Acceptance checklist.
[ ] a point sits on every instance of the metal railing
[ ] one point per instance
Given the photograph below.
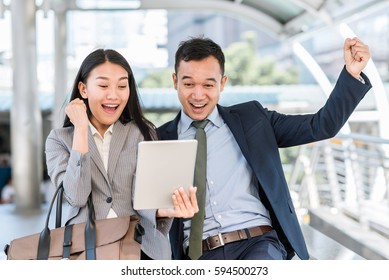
(349, 175)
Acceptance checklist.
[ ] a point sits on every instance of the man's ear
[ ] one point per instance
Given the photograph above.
(223, 82)
(82, 90)
(174, 76)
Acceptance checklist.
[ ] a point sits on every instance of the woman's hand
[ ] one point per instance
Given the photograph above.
(76, 111)
(184, 206)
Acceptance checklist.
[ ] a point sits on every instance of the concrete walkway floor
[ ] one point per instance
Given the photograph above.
(15, 225)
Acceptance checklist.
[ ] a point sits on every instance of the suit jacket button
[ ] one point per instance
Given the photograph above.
(109, 199)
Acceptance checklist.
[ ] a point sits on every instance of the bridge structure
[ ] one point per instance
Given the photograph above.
(340, 186)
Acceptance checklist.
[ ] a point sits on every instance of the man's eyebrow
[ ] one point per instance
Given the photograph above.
(212, 80)
(208, 79)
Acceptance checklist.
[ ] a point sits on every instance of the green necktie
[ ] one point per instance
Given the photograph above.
(197, 224)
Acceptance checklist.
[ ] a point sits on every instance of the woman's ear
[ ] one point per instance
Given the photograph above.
(82, 90)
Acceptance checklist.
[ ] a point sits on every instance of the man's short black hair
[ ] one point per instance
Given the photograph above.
(198, 48)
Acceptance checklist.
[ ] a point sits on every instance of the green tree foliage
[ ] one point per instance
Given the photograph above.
(245, 67)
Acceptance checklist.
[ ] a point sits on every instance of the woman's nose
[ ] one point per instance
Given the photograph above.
(112, 94)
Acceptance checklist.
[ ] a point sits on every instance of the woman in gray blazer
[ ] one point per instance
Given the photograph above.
(95, 151)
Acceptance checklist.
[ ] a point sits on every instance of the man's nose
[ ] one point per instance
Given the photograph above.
(197, 92)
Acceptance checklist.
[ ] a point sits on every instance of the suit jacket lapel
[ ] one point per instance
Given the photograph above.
(171, 130)
(233, 121)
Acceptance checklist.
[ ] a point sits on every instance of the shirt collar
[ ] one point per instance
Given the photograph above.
(186, 121)
(95, 132)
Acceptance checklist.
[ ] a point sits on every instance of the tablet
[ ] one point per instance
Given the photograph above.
(162, 167)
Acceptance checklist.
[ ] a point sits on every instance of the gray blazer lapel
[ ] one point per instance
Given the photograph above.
(119, 136)
(95, 155)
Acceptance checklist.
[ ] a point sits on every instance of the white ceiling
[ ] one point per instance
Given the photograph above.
(282, 19)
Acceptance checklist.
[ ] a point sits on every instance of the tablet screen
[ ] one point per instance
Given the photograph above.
(162, 167)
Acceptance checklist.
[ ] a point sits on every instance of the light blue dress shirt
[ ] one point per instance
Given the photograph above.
(232, 200)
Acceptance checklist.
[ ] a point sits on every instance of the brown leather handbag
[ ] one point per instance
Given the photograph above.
(108, 239)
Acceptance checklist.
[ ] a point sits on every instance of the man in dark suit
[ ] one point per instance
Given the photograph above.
(248, 209)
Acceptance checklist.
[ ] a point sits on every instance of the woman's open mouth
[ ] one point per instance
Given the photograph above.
(109, 108)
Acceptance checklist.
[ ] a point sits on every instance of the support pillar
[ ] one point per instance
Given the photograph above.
(26, 118)
(60, 69)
